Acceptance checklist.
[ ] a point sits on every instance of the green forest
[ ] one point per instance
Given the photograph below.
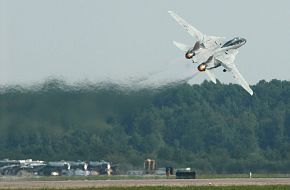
(211, 128)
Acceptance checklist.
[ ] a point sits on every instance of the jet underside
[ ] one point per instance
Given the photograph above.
(211, 52)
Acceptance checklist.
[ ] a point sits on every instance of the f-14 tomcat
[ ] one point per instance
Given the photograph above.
(211, 52)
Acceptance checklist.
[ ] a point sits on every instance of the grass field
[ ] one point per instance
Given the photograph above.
(268, 187)
(203, 188)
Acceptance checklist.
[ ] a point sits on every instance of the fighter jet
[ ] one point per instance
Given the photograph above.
(211, 52)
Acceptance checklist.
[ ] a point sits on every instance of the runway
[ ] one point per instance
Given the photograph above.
(146, 182)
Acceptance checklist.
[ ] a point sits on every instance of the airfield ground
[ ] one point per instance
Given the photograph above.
(19, 184)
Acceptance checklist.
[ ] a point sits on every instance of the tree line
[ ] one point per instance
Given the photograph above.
(211, 128)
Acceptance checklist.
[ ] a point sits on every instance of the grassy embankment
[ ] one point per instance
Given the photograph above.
(267, 187)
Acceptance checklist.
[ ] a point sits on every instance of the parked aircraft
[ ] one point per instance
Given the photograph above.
(211, 52)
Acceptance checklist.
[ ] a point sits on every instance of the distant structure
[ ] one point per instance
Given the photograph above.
(149, 166)
(185, 173)
(169, 171)
(20, 167)
(100, 168)
(56, 168)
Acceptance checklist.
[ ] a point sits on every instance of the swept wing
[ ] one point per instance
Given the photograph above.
(190, 29)
(208, 41)
(227, 58)
(238, 76)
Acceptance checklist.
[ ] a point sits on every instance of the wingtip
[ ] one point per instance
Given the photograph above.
(170, 12)
(251, 92)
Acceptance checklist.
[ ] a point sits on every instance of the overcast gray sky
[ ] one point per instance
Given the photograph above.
(130, 39)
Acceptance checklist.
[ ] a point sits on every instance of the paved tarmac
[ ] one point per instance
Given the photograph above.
(146, 182)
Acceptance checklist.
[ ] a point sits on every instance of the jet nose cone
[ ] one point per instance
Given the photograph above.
(245, 41)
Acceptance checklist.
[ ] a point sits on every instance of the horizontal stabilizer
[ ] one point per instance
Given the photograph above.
(211, 75)
(191, 81)
(181, 46)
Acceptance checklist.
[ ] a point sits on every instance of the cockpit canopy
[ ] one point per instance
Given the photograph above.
(235, 41)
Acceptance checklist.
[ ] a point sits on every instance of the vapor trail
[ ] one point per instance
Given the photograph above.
(176, 71)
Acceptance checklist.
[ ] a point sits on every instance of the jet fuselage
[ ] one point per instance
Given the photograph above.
(235, 43)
